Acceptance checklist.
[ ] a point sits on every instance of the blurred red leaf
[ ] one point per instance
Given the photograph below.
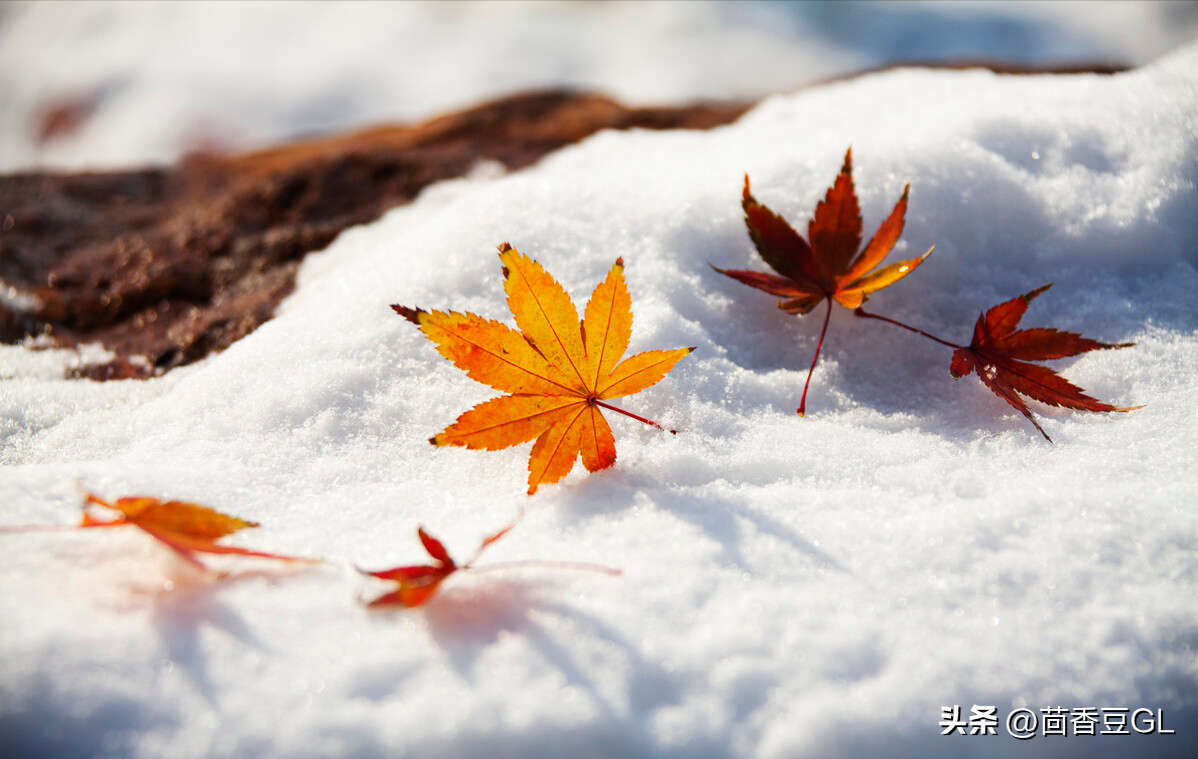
(418, 583)
(64, 117)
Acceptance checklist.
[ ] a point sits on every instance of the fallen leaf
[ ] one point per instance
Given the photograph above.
(559, 371)
(419, 582)
(830, 268)
(1000, 355)
(185, 528)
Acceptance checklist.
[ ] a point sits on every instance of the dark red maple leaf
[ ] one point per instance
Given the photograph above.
(1000, 353)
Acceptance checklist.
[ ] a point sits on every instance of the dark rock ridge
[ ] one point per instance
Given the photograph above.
(165, 265)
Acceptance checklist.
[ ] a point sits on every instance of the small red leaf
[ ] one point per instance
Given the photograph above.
(414, 573)
(417, 584)
(434, 547)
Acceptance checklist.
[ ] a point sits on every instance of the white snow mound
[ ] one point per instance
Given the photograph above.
(792, 587)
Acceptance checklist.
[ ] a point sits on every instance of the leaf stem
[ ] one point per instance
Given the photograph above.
(815, 359)
(59, 527)
(579, 565)
(860, 311)
(37, 528)
(610, 407)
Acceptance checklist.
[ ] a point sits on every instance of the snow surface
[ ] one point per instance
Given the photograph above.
(163, 79)
(792, 587)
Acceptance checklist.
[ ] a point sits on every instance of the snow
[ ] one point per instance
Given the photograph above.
(792, 587)
(153, 81)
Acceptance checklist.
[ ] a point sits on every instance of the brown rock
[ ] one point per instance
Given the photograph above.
(166, 265)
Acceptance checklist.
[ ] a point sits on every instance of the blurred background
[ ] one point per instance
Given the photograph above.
(120, 84)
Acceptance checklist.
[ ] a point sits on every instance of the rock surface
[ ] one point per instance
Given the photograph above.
(165, 265)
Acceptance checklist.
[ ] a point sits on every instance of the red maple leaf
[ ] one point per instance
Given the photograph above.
(830, 268)
(417, 583)
(1000, 353)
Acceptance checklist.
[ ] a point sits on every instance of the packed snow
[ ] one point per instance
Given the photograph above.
(791, 587)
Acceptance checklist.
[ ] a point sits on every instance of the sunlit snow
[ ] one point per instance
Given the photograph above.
(792, 587)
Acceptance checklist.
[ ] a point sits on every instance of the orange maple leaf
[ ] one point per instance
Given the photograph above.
(185, 528)
(830, 267)
(559, 371)
(1000, 355)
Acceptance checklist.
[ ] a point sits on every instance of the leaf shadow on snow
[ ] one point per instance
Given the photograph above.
(464, 622)
(753, 333)
(721, 518)
(894, 375)
(193, 604)
(724, 520)
(178, 613)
